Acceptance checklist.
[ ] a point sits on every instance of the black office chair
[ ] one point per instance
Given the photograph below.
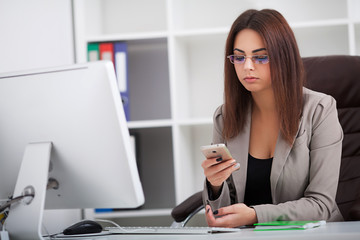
(338, 76)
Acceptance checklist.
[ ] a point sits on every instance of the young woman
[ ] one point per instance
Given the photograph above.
(286, 138)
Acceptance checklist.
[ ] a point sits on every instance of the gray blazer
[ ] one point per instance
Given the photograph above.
(304, 176)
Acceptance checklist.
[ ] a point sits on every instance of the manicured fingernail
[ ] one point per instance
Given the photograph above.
(208, 210)
(215, 212)
(219, 159)
(237, 165)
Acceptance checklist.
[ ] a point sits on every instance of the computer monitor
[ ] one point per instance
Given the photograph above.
(66, 124)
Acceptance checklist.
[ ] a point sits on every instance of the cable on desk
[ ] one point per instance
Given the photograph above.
(123, 229)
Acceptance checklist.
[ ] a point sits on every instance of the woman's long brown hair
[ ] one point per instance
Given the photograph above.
(286, 69)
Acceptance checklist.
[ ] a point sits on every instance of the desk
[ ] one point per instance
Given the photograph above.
(332, 230)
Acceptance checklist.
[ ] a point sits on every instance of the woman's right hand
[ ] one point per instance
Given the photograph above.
(217, 171)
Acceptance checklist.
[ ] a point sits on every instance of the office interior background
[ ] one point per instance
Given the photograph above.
(175, 69)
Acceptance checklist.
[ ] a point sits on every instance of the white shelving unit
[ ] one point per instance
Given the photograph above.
(176, 54)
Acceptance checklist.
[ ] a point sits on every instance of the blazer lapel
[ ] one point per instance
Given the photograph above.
(281, 154)
(241, 142)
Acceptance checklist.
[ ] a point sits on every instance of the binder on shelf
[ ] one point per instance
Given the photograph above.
(117, 53)
(106, 51)
(93, 52)
(103, 210)
(121, 61)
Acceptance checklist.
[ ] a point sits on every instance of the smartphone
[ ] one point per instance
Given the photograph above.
(215, 151)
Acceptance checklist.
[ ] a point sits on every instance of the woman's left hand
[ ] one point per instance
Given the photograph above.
(231, 216)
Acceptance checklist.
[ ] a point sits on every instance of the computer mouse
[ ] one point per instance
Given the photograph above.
(83, 227)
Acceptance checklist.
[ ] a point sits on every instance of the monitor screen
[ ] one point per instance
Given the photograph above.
(78, 110)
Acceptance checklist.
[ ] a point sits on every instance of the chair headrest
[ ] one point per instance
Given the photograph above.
(337, 75)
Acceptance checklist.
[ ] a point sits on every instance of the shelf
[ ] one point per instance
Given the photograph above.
(222, 13)
(154, 156)
(149, 90)
(150, 124)
(214, 14)
(190, 139)
(195, 121)
(169, 123)
(199, 75)
(320, 23)
(308, 10)
(353, 10)
(126, 37)
(357, 37)
(122, 16)
(319, 41)
(201, 32)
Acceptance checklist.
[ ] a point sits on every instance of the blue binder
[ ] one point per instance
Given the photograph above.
(121, 68)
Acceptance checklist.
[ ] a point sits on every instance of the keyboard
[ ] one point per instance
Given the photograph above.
(169, 230)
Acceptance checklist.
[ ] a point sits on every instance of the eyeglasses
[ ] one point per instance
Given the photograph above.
(240, 59)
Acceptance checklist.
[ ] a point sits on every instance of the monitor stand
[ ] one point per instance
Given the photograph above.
(25, 218)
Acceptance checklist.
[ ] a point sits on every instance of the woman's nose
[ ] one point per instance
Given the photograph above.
(249, 64)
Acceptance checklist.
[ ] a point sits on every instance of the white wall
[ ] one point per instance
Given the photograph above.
(37, 34)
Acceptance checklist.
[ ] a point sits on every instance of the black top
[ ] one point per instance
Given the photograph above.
(257, 190)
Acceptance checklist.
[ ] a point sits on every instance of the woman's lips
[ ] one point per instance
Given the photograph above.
(250, 79)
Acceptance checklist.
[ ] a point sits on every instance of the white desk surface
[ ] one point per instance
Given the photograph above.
(332, 230)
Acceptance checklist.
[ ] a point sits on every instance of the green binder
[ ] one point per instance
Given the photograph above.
(93, 53)
(288, 225)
